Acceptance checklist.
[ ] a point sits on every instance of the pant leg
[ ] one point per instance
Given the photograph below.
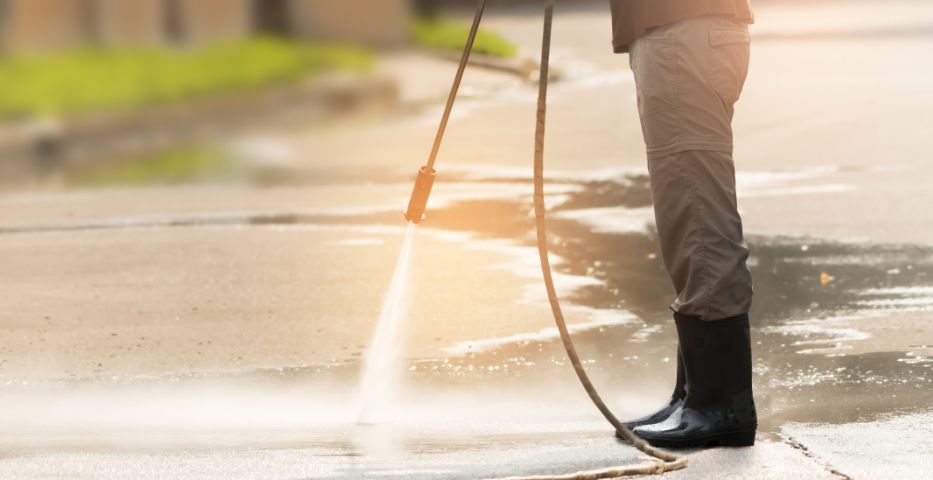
(689, 75)
(700, 232)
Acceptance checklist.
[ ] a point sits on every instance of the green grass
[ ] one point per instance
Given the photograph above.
(445, 35)
(169, 167)
(73, 82)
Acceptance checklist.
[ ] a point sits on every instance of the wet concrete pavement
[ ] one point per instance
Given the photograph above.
(488, 391)
(216, 330)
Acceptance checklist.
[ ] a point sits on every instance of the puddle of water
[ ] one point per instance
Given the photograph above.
(805, 289)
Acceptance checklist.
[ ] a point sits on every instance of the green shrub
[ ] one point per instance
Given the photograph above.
(109, 79)
(446, 35)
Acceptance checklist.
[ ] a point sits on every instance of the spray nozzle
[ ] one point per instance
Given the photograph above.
(420, 194)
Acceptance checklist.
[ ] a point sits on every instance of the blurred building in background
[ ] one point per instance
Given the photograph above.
(41, 25)
(372, 22)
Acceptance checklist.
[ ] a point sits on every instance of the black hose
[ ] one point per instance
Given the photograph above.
(668, 461)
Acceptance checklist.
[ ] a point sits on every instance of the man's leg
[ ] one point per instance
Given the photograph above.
(689, 75)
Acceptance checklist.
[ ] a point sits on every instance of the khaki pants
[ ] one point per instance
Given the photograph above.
(689, 75)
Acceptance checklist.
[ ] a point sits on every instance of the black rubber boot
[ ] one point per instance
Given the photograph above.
(719, 409)
(675, 402)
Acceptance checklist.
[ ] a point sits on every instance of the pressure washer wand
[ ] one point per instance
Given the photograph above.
(426, 174)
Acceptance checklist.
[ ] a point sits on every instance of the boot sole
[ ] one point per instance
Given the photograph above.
(744, 438)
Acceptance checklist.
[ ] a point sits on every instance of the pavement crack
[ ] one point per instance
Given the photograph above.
(797, 445)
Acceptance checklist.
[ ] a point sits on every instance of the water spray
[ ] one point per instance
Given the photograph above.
(380, 359)
(665, 461)
(381, 365)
